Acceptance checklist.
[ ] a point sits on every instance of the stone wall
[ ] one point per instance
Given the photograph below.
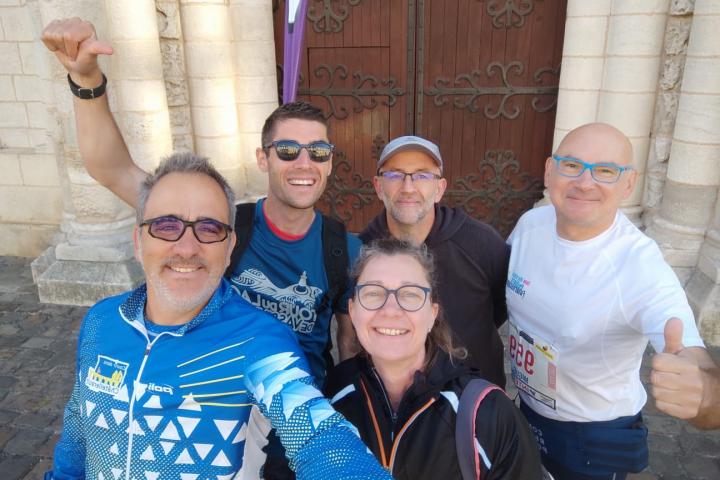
(31, 204)
(185, 75)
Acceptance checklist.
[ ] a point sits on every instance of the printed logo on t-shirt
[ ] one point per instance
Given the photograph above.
(293, 305)
(107, 376)
(518, 284)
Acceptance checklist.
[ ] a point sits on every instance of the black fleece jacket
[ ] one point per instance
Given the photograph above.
(418, 441)
(471, 261)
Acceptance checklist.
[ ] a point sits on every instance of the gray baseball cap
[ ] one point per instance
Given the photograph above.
(410, 143)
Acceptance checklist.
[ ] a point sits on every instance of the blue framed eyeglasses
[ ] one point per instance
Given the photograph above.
(600, 172)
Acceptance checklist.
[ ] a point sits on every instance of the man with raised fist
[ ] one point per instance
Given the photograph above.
(586, 291)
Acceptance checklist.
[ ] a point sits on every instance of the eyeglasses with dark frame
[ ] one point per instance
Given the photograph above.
(410, 298)
(398, 176)
(171, 229)
(600, 172)
(289, 150)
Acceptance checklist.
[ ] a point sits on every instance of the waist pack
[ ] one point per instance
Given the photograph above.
(593, 448)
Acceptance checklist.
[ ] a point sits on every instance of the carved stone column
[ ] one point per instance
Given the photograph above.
(696, 160)
(693, 170)
(581, 72)
(632, 62)
(255, 82)
(211, 69)
(677, 33)
(95, 258)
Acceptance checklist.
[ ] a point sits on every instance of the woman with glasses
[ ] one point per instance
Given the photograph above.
(403, 391)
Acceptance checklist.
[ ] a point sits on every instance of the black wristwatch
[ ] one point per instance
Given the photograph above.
(87, 93)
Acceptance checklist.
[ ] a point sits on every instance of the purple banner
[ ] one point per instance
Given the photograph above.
(295, 11)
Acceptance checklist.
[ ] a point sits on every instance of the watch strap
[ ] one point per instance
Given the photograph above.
(87, 93)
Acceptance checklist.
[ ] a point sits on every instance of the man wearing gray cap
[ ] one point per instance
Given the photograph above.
(470, 256)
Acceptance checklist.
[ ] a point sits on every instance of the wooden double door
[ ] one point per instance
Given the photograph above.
(477, 77)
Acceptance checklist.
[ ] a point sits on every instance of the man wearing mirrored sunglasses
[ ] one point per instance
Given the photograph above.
(471, 257)
(281, 270)
(181, 376)
(585, 293)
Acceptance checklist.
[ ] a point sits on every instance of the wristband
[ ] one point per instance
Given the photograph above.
(87, 93)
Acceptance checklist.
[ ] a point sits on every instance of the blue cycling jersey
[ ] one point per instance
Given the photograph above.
(197, 402)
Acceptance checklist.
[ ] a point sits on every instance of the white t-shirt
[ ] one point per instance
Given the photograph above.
(595, 303)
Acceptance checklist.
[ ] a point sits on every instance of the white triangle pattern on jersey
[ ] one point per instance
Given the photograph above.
(226, 427)
(167, 446)
(152, 475)
(89, 407)
(188, 425)
(101, 476)
(122, 395)
(226, 477)
(242, 433)
(114, 449)
(221, 460)
(189, 476)
(118, 415)
(152, 421)
(184, 458)
(190, 404)
(153, 402)
(170, 432)
(202, 449)
(101, 422)
(136, 429)
(116, 473)
(148, 454)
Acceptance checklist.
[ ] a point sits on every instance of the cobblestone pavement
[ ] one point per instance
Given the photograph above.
(37, 363)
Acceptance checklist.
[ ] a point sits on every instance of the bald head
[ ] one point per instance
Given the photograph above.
(607, 141)
(584, 206)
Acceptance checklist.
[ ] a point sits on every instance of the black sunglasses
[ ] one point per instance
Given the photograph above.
(171, 228)
(289, 150)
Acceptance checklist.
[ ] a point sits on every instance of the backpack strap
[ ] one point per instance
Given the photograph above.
(336, 260)
(466, 442)
(244, 223)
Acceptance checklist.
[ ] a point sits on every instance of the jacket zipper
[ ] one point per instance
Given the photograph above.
(395, 441)
(393, 413)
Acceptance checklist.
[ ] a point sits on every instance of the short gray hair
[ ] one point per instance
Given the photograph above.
(184, 162)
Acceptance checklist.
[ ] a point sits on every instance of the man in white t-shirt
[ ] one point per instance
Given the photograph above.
(586, 291)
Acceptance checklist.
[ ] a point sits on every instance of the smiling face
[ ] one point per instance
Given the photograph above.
(182, 276)
(390, 334)
(297, 183)
(586, 208)
(409, 203)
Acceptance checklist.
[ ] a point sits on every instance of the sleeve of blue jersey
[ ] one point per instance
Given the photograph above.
(318, 441)
(69, 456)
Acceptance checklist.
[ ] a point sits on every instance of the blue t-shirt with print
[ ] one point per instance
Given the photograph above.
(287, 279)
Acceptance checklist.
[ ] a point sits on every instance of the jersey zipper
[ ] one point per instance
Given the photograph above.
(148, 347)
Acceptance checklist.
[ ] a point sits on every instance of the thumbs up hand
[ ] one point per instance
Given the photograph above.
(676, 377)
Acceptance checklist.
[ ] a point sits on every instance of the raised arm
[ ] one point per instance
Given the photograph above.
(318, 441)
(103, 150)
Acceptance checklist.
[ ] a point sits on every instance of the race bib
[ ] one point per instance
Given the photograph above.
(533, 363)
